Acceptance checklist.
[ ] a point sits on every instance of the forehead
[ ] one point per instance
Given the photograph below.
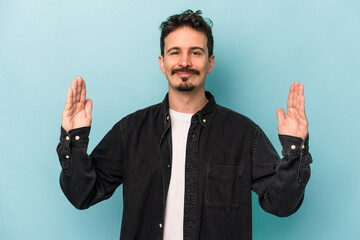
(185, 37)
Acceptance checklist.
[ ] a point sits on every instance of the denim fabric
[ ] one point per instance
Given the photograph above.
(227, 156)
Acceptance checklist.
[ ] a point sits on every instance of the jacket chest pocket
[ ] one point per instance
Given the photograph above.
(223, 185)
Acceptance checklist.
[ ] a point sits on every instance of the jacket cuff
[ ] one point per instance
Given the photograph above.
(77, 136)
(294, 145)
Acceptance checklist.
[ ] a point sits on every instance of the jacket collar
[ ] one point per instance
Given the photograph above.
(204, 116)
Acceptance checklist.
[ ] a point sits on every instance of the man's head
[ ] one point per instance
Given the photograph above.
(186, 51)
(190, 19)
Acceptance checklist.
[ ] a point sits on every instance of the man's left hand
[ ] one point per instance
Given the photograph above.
(295, 122)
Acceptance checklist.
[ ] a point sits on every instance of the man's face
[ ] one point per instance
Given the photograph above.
(186, 60)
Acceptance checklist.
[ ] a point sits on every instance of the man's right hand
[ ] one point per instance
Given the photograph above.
(77, 111)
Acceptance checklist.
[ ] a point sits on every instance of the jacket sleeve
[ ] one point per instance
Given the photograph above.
(280, 183)
(88, 179)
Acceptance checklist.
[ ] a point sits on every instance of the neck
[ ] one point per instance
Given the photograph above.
(187, 102)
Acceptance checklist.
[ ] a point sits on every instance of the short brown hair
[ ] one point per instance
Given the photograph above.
(189, 19)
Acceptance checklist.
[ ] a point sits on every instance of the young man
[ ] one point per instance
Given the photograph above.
(187, 165)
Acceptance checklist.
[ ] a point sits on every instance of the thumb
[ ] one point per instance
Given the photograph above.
(280, 113)
(88, 107)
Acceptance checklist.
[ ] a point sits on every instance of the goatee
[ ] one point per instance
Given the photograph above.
(184, 86)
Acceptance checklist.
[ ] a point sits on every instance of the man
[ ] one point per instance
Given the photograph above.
(187, 165)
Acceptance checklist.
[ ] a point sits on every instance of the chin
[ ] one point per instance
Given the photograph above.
(185, 87)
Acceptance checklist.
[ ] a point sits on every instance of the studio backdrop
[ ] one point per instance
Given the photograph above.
(261, 47)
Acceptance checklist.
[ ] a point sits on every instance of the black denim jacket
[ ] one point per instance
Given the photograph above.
(227, 156)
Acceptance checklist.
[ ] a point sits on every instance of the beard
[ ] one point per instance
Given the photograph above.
(185, 86)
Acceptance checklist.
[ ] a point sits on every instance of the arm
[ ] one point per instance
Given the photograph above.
(280, 183)
(87, 179)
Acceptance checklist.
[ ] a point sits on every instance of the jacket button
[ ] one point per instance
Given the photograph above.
(160, 225)
(67, 156)
(67, 138)
(204, 120)
(293, 147)
(77, 137)
(303, 146)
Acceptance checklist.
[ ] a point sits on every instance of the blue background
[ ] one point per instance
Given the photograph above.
(261, 47)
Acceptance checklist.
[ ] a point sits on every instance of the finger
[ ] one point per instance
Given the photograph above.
(295, 97)
(88, 107)
(68, 103)
(83, 92)
(300, 93)
(74, 88)
(79, 87)
(280, 114)
(302, 107)
(73, 83)
(301, 90)
(289, 101)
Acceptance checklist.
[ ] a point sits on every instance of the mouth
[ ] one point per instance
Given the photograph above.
(184, 74)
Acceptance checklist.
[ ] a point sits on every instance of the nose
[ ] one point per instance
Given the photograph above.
(185, 61)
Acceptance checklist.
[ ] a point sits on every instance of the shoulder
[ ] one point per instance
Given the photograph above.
(233, 125)
(232, 115)
(231, 120)
(153, 109)
(142, 116)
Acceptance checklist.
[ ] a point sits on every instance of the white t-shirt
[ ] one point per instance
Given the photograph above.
(174, 211)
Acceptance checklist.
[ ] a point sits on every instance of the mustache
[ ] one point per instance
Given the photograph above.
(185, 69)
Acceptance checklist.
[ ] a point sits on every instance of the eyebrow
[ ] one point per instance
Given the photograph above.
(192, 48)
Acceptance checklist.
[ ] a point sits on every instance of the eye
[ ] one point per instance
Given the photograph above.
(174, 53)
(196, 53)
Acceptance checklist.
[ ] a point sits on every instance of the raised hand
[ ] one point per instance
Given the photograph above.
(77, 111)
(295, 122)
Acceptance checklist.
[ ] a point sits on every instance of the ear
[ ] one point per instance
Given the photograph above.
(161, 62)
(211, 63)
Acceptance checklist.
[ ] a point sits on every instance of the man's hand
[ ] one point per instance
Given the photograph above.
(295, 122)
(77, 111)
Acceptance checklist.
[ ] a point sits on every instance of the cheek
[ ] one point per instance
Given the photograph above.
(168, 66)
